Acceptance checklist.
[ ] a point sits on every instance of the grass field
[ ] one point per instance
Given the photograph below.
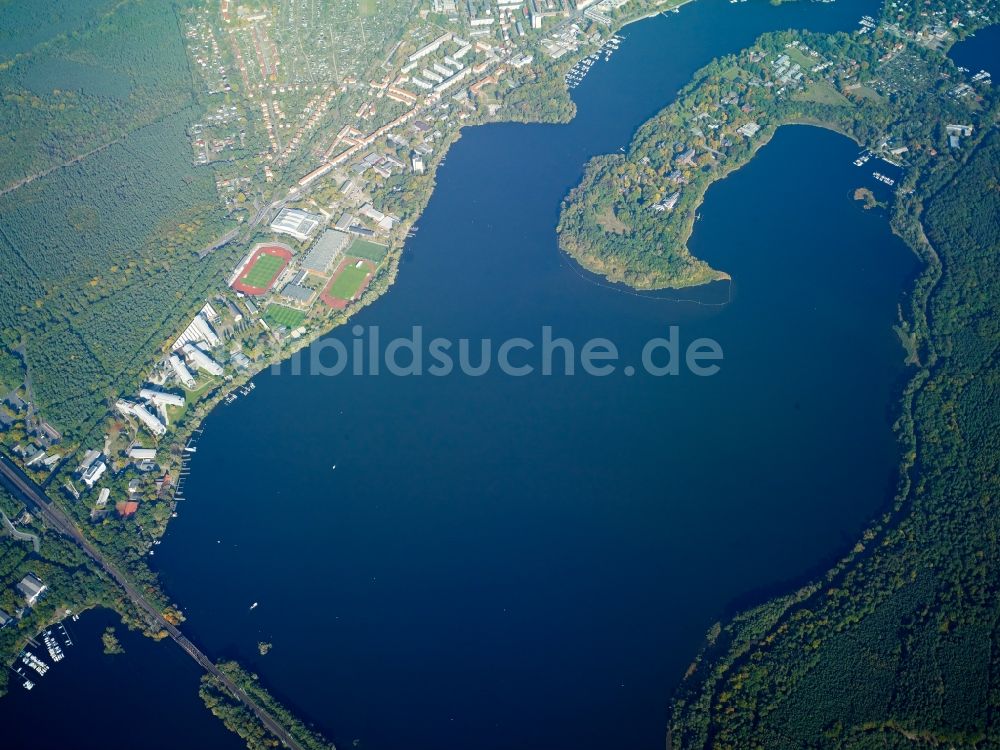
(348, 282)
(798, 56)
(866, 92)
(822, 92)
(279, 315)
(263, 270)
(368, 250)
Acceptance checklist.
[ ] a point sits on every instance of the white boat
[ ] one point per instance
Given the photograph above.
(253, 606)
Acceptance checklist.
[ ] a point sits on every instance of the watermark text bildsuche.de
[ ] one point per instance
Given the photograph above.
(365, 353)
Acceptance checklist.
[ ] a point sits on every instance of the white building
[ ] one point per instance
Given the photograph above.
(149, 421)
(102, 497)
(372, 213)
(142, 454)
(94, 472)
(209, 313)
(432, 47)
(201, 361)
(449, 82)
(88, 459)
(198, 330)
(31, 587)
(296, 223)
(160, 398)
(181, 371)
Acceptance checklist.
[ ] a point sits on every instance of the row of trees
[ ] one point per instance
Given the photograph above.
(243, 722)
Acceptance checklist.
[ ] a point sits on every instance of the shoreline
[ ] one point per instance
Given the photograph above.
(391, 270)
(386, 277)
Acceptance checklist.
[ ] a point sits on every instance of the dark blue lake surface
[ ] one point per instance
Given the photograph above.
(500, 562)
(979, 52)
(146, 697)
(503, 562)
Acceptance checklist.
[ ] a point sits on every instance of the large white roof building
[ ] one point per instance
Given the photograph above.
(202, 361)
(149, 421)
(181, 371)
(296, 223)
(198, 330)
(160, 398)
(94, 472)
(325, 250)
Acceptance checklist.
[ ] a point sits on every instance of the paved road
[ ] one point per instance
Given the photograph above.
(22, 485)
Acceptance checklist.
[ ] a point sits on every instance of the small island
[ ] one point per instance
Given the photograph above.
(112, 646)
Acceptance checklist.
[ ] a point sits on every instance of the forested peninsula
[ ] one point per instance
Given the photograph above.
(632, 214)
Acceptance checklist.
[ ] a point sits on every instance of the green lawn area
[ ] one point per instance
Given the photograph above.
(263, 270)
(865, 92)
(204, 384)
(823, 92)
(368, 250)
(346, 285)
(798, 56)
(731, 72)
(279, 315)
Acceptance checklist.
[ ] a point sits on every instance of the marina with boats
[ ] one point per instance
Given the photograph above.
(888, 173)
(575, 75)
(55, 639)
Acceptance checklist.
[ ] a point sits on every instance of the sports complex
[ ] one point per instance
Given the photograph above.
(348, 282)
(257, 274)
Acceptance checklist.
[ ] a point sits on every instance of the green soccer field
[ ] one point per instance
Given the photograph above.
(263, 270)
(346, 285)
(368, 250)
(279, 315)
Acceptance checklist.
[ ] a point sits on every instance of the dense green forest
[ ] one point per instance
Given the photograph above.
(111, 69)
(100, 257)
(23, 26)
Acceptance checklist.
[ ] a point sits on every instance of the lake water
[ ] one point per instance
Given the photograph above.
(146, 697)
(532, 562)
(979, 52)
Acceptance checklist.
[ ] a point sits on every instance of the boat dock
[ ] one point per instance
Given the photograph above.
(575, 75)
